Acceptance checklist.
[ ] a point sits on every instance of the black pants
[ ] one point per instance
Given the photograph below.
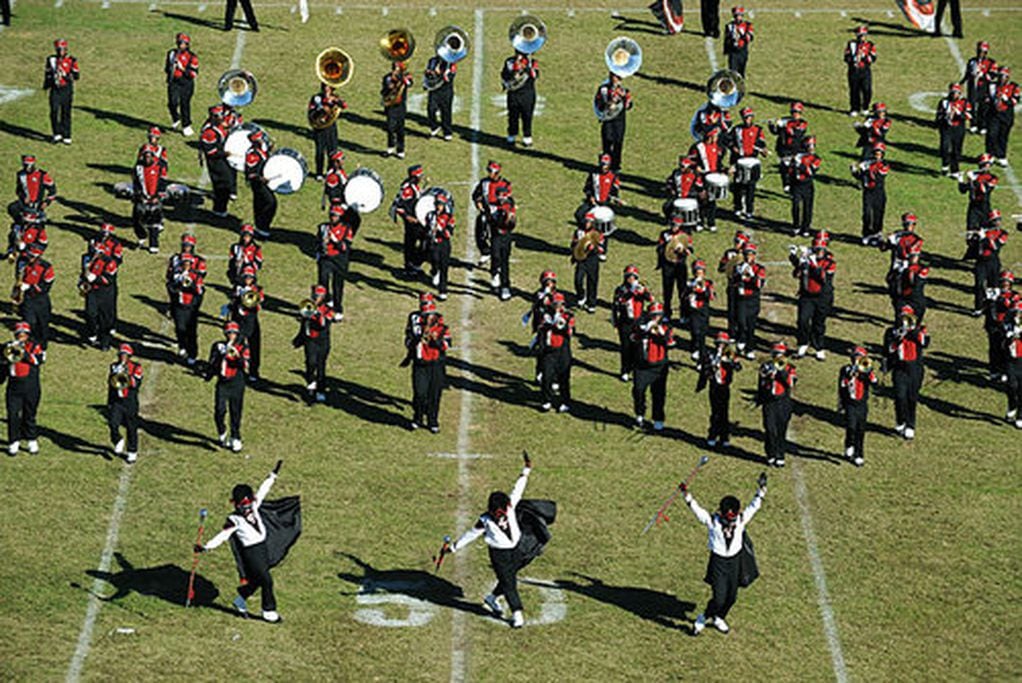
(501, 263)
(179, 100)
(996, 353)
(722, 575)
(440, 261)
(556, 366)
(956, 17)
(856, 413)
(612, 136)
(626, 347)
(264, 205)
(332, 271)
(186, 327)
(255, 560)
(860, 89)
(222, 178)
(998, 132)
(587, 279)
(746, 315)
(802, 195)
(908, 378)
(147, 219)
(708, 213)
(699, 325)
(60, 110)
(673, 277)
(438, 105)
(246, 7)
(316, 353)
(326, 144)
(123, 412)
(5, 12)
(976, 214)
(812, 319)
(720, 409)
(710, 10)
(1014, 386)
(101, 314)
(482, 232)
(428, 380)
(737, 60)
(36, 311)
(229, 396)
(22, 403)
(653, 378)
(874, 203)
(951, 138)
(520, 105)
(251, 331)
(776, 415)
(985, 274)
(505, 564)
(745, 197)
(396, 126)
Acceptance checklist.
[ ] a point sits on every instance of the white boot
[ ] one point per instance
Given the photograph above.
(850, 451)
(224, 440)
(495, 281)
(517, 619)
(802, 350)
(131, 457)
(721, 625)
(910, 433)
(271, 616)
(119, 447)
(13, 447)
(33, 446)
(236, 445)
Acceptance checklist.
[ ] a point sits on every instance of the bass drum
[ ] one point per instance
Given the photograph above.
(425, 204)
(285, 171)
(364, 191)
(237, 144)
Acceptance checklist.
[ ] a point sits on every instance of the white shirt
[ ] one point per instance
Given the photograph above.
(250, 527)
(503, 534)
(717, 542)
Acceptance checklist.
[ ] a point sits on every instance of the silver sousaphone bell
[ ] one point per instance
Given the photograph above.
(527, 34)
(237, 88)
(623, 57)
(451, 44)
(725, 89)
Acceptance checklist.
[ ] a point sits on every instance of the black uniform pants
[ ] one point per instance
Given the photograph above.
(908, 378)
(440, 261)
(737, 60)
(332, 272)
(720, 409)
(501, 263)
(710, 11)
(860, 89)
(977, 213)
(101, 314)
(396, 126)
(438, 108)
(722, 575)
(223, 179)
(264, 205)
(36, 312)
(251, 331)
(147, 220)
(413, 252)
(482, 232)
(229, 396)
(956, 16)
(428, 380)
(951, 138)
(556, 367)
(996, 353)
(186, 327)
(998, 132)
(123, 412)
(856, 413)
(316, 353)
(612, 136)
(708, 213)
(776, 415)
(179, 100)
(985, 274)
(802, 195)
(246, 7)
(60, 110)
(326, 144)
(874, 203)
(673, 277)
(812, 319)
(255, 560)
(22, 403)
(654, 378)
(505, 564)
(745, 197)
(5, 12)
(1014, 386)
(699, 325)
(626, 347)
(520, 105)
(587, 279)
(746, 316)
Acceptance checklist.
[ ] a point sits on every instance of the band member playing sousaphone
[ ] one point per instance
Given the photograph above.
(403, 206)
(587, 243)
(123, 383)
(394, 91)
(98, 283)
(518, 76)
(630, 299)
(228, 362)
(612, 103)
(149, 189)
(451, 45)
(555, 331)
(428, 352)
(502, 225)
(264, 201)
(853, 384)
(21, 359)
(323, 110)
(718, 373)
(978, 185)
(485, 197)
(777, 378)
(985, 246)
(652, 338)
(872, 176)
(699, 293)
(246, 303)
(673, 249)
(814, 269)
(873, 130)
(244, 253)
(34, 278)
(34, 189)
(748, 144)
(315, 319)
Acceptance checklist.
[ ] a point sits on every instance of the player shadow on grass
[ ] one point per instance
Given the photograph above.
(21, 132)
(196, 21)
(126, 120)
(663, 609)
(90, 213)
(73, 444)
(358, 400)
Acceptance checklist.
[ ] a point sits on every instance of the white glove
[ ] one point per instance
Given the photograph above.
(25, 286)
(91, 277)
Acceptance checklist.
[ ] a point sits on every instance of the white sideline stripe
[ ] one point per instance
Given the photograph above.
(459, 664)
(711, 53)
(74, 670)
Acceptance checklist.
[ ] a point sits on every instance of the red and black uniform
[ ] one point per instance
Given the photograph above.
(953, 115)
(334, 253)
(181, 68)
(872, 132)
(148, 185)
(36, 277)
(99, 276)
(61, 72)
(518, 76)
(122, 403)
(1013, 364)
(403, 206)
(243, 253)
(977, 78)
(978, 185)
(23, 391)
(747, 141)
(737, 36)
(486, 196)
(27, 232)
(264, 202)
(229, 366)
(334, 183)
(988, 263)
(718, 374)
(683, 183)
(904, 347)
(672, 251)
(34, 189)
(221, 175)
(803, 169)
(815, 274)
(440, 100)
(999, 312)
(853, 385)
(587, 271)
(439, 229)
(555, 333)
(872, 177)
(859, 56)
(776, 382)
(696, 299)
(158, 151)
(791, 134)
(503, 222)
(314, 338)
(323, 104)
(652, 338)
(1005, 97)
(670, 14)
(630, 300)
(394, 90)
(709, 156)
(186, 284)
(711, 117)
(429, 378)
(748, 281)
(602, 188)
(909, 288)
(249, 328)
(612, 103)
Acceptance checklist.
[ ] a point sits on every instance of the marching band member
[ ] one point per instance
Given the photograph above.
(333, 253)
(999, 310)
(5, 12)
(873, 130)
(709, 117)
(710, 15)
(27, 231)
(148, 187)
(777, 378)
(99, 282)
(709, 157)
(956, 17)
(314, 338)
(683, 183)
(748, 280)
(336, 180)
(1013, 357)
(321, 106)
(394, 91)
(34, 280)
(181, 67)
(719, 373)
(153, 145)
(264, 202)
(33, 187)
(186, 284)
(231, 118)
(244, 253)
(416, 321)
(246, 301)
(696, 300)
(737, 36)
(729, 556)
(542, 300)
(439, 229)
(485, 196)
(23, 356)
(904, 343)
(62, 71)
(747, 142)
(953, 115)
(429, 353)
(404, 206)
(587, 244)
(518, 77)
(652, 338)
(1005, 95)
(211, 146)
(872, 176)
(503, 222)
(246, 7)
(555, 332)
(853, 384)
(124, 382)
(602, 188)
(859, 56)
(977, 79)
(673, 249)
(791, 132)
(630, 299)
(804, 168)
(228, 362)
(902, 244)
(440, 100)
(613, 101)
(909, 285)
(987, 247)
(727, 264)
(978, 185)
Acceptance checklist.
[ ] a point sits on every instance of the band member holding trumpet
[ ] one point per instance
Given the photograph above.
(1013, 358)
(439, 229)
(737, 37)
(31, 292)
(322, 113)
(1005, 96)
(416, 322)
(34, 188)
(999, 312)
(28, 231)
(61, 72)
(428, 352)
(98, 283)
(518, 77)
(630, 300)
(542, 300)
(228, 362)
(612, 103)
(246, 303)
(683, 183)
(978, 185)
(791, 132)
(211, 151)
(853, 384)
(953, 115)
(186, 275)
(181, 67)
(22, 358)
(777, 378)
(873, 130)
(719, 373)
(749, 143)
(587, 244)
(149, 189)
(123, 382)
(872, 176)
(859, 56)
(333, 253)
(652, 337)
(977, 78)
(555, 331)
(747, 282)
(335, 181)
(986, 245)
(729, 261)
(242, 254)
(264, 202)
(486, 197)
(696, 299)
(394, 92)
(404, 206)
(313, 337)
(504, 221)
(903, 344)
(801, 173)
(673, 249)
(909, 285)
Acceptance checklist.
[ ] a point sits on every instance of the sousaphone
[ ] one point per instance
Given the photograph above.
(724, 90)
(334, 67)
(527, 34)
(237, 87)
(451, 44)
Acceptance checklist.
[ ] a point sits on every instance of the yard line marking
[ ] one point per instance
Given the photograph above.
(459, 663)
(460, 456)
(711, 53)
(58, 3)
(74, 670)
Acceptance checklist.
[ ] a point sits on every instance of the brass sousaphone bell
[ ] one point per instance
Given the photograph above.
(397, 45)
(237, 87)
(334, 67)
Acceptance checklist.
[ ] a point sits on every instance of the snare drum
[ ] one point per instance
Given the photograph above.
(364, 191)
(124, 190)
(688, 210)
(747, 171)
(716, 186)
(426, 204)
(603, 219)
(177, 193)
(237, 144)
(285, 171)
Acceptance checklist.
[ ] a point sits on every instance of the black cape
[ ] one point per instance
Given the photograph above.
(747, 569)
(283, 520)
(534, 519)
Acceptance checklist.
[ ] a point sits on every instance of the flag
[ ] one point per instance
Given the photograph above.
(670, 14)
(920, 13)
(283, 520)
(534, 518)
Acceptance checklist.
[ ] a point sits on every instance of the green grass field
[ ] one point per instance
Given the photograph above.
(919, 548)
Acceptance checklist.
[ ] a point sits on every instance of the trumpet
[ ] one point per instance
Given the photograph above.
(864, 365)
(250, 298)
(13, 352)
(780, 363)
(119, 380)
(306, 308)
(232, 352)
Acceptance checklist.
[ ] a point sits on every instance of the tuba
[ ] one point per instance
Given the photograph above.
(237, 87)
(623, 57)
(527, 34)
(397, 45)
(451, 44)
(13, 352)
(306, 308)
(334, 67)
(724, 90)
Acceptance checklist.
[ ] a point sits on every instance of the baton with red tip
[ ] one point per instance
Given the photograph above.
(445, 549)
(661, 513)
(195, 558)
